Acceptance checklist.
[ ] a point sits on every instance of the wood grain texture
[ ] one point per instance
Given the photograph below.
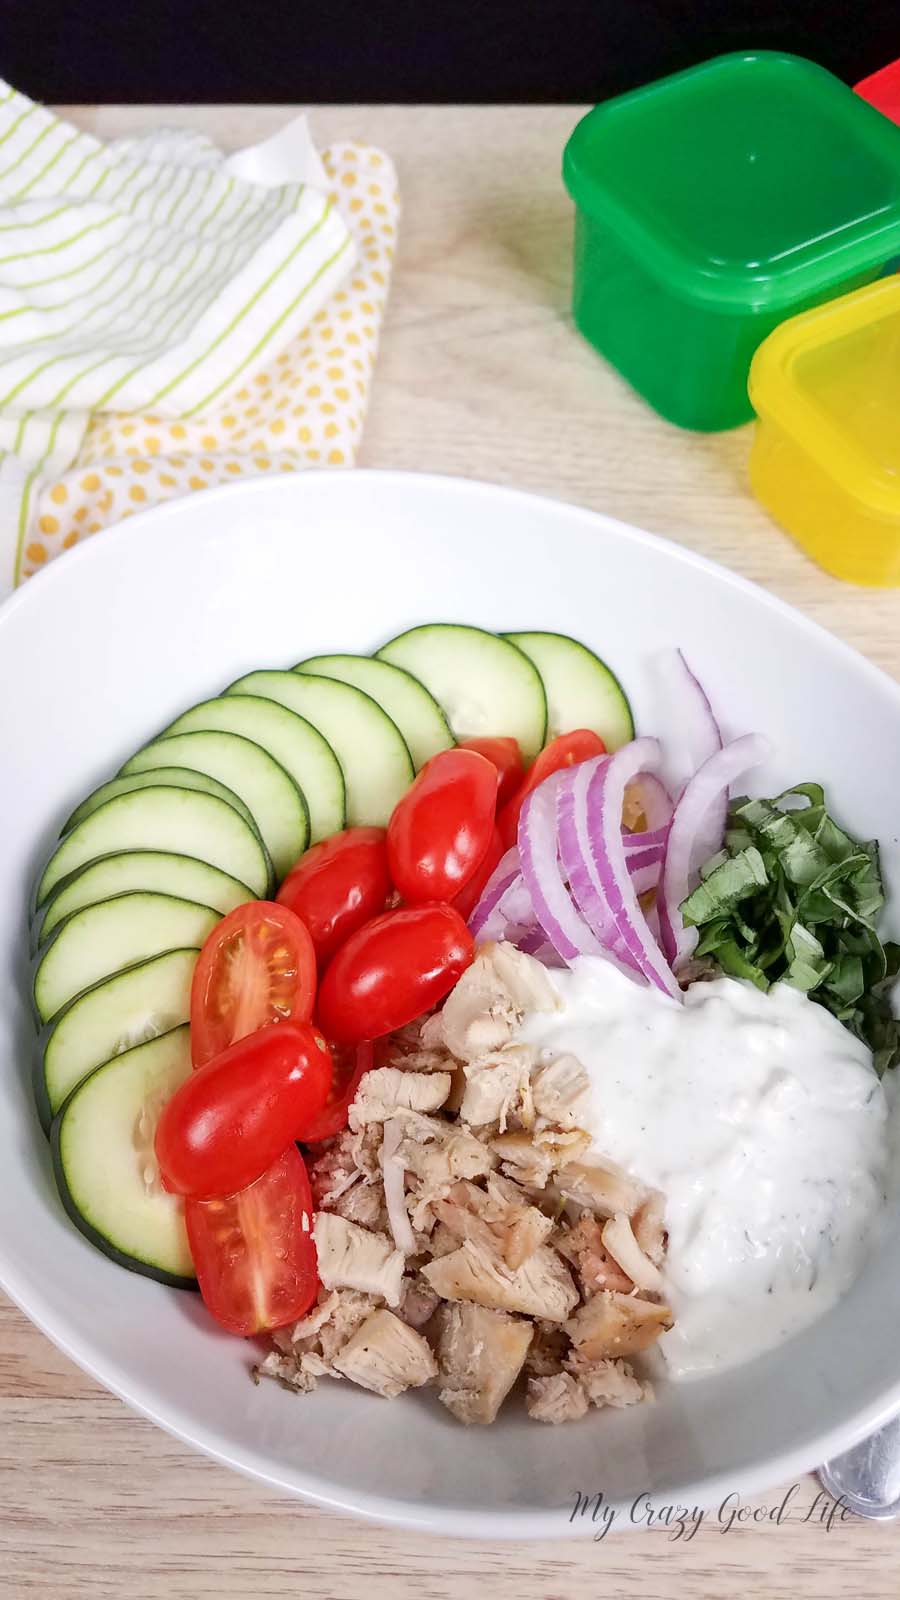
(481, 375)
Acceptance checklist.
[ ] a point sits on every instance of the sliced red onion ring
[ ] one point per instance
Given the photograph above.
(574, 847)
(697, 833)
(560, 919)
(503, 875)
(692, 732)
(607, 862)
(645, 869)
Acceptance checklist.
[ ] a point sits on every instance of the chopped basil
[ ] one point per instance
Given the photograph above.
(794, 899)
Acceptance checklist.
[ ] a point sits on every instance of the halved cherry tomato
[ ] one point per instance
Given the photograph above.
(440, 829)
(257, 966)
(337, 886)
(389, 972)
(229, 1120)
(351, 1061)
(505, 755)
(468, 898)
(567, 750)
(254, 1252)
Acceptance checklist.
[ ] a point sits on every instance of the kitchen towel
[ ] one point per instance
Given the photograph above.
(171, 318)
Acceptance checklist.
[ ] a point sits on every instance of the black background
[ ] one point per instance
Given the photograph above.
(411, 50)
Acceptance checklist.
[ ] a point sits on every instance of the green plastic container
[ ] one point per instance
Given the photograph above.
(714, 204)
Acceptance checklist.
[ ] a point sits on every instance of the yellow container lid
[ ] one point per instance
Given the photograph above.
(830, 378)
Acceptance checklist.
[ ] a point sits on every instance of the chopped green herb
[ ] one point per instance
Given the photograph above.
(794, 899)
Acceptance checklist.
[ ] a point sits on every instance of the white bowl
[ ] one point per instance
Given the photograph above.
(106, 646)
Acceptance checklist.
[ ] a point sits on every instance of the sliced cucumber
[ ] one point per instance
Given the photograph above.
(175, 777)
(277, 806)
(123, 1011)
(140, 869)
(292, 740)
(163, 818)
(376, 763)
(99, 940)
(485, 685)
(581, 690)
(105, 1167)
(406, 701)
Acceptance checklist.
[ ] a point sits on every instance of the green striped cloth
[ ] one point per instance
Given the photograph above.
(148, 274)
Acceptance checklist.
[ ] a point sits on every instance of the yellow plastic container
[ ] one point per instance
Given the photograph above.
(826, 453)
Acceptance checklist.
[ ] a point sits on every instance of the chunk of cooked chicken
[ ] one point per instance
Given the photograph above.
(548, 1349)
(613, 1324)
(605, 1189)
(418, 1301)
(583, 1246)
(438, 1154)
(387, 1356)
(541, 1287)
(498, 1086)
(286, 1371)
(498, 1216)
(352, 1257)
(480, 1355)
(562, 1092)
(609, 1383)
(363, 1203)
(649, 1227)
(523, 1160)
(386, 1090)
(619, 1241)
(490, 1000)
(558, 1398)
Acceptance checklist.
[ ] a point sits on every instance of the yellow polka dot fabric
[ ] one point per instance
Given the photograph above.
(304, 409)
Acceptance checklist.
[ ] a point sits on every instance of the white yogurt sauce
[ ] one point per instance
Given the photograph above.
(761, 1120)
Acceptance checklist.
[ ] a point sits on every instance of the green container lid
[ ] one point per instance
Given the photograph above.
(755, 181)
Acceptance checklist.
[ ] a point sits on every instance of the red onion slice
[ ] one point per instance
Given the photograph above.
(654, 798)
(503, 875)
(692, 732)
(698, 832)
(607, 861)
(563, 924)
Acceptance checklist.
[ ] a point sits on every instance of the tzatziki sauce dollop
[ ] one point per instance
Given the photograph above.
(761, 1120)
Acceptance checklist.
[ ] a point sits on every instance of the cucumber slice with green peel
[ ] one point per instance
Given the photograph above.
(105, 1166)
(406, 701)
(294, 742)
(99, 940)
(485, 685)
(581, 690)
(373, 754)
(175, 777)
(276, 804)
(162, 817)
(117, 1014)
(155, 870)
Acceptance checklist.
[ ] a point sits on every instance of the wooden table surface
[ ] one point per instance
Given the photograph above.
(480, 374)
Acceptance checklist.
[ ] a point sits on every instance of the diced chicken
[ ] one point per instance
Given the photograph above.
(498, 1086)
(418, 1301)
(583, 1245)
(439, 1153)
(387, 1356)
(548, 1349)
(324, 1310)
(386, 1090)
(481, 1354)
(605, 1189)
(285, 1371)
(541, 1287)
(559, 1398)
(334, 1171)
(347, 1308)
(522, 1160)
(364, 1203)
(563, 1145)
(648, 1223)
(562, 1092)
(352, 1257)
(609, 1383)
(491, 998)
(619, 1241)
(612, 1324)
(498, 1220)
